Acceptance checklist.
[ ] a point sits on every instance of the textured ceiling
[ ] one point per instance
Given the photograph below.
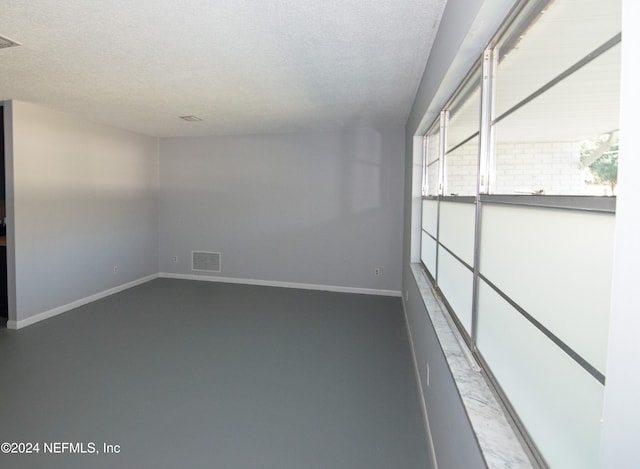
(244, 66)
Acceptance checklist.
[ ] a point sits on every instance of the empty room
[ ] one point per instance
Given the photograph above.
(303, 234)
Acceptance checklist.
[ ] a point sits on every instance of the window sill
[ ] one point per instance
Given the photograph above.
(498, 441)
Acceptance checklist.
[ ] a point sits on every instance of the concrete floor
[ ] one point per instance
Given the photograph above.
(185, 374)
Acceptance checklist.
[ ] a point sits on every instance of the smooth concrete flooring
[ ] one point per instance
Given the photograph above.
(186, 374)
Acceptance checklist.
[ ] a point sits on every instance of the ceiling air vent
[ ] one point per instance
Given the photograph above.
(204, 261)
(191, 118)
(6, 42)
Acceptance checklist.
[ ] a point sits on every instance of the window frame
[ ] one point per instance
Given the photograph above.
(521, 18)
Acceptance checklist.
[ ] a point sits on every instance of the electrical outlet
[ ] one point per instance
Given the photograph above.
(376, 271)
(175, 258)
(115, 269)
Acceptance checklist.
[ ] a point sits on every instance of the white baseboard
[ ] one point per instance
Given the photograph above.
(89, 299)
(75, 304)
(270, 283)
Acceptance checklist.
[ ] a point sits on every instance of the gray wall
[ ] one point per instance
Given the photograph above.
(322, 208)
(465, 29)
(82, 198)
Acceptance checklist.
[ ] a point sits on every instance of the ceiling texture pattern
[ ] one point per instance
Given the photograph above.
(243, 66)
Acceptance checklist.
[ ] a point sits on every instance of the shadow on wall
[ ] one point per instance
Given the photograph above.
(363, 183)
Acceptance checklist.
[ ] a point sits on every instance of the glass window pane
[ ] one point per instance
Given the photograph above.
(563, 33)
(461, 169)
(464, 112)
(559, 402)
(433, 178)
(432, 170)
(457, 228)
(430, 216)
(428, 253)
(456, 283)
(557, 265)
(539, 149)
(433, 144)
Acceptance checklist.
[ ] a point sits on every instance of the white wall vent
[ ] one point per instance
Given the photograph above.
(205, 261)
